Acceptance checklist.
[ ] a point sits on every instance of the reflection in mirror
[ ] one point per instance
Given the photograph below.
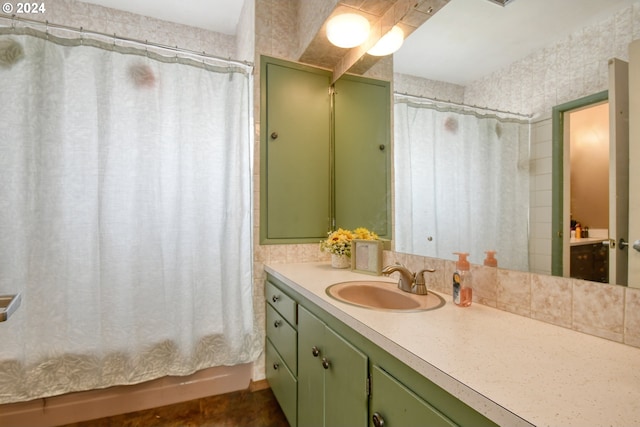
(587, 197)
(461, 181)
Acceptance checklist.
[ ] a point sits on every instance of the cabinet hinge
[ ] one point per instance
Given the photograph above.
(368, 386)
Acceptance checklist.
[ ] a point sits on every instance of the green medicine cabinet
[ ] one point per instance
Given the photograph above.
(324, 153)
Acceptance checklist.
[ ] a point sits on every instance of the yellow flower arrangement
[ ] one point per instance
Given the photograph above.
(339, 242)
(362, 233)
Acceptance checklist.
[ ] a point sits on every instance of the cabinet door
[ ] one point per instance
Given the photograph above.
(362, 154)
(394, 405)
(295, 131)
(345, 383)
(310, 371)
(581, 266)
(332, 377)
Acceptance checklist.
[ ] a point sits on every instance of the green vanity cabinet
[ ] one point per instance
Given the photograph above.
(281, 356)
(332, 377)
(343, 378)
(324, 153)
(394, 405)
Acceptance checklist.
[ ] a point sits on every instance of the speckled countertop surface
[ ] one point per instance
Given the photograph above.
(513, 369)
(586, 241)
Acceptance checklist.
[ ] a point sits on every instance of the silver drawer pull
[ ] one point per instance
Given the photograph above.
(277, 323)
(276, 366)
(275, 298)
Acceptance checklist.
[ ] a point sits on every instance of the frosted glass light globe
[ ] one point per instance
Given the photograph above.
(348, 30)
(389, 43)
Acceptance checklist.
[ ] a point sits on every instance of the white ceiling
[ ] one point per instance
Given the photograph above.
(465, 40)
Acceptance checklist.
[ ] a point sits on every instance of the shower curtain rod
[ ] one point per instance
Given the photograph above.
(144, 43)
(457, 104)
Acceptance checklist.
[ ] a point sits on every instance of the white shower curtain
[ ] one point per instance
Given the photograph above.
(462, 182)
(125, 217)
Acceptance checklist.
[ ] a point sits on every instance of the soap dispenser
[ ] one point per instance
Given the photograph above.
(490, 260)
(462, 289)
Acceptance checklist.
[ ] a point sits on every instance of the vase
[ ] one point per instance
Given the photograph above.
(340, 261)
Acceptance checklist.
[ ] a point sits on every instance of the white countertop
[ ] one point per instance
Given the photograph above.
(586, 240)
(515, 370)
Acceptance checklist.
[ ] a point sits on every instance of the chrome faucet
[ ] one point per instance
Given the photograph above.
(409, 282)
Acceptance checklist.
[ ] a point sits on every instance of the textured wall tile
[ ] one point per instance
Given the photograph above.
(427, 88)
(514, 292)
(632, 317)
(598, 309)
(485, 285)
(440, 279)
(551, 299)
(581, 55)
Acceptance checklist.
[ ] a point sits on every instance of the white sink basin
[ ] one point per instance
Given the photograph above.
(378, 295)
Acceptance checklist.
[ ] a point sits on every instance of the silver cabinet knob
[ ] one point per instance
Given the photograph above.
(315, 351)
(275, 298)
(277, 323)
(377, 420)
(325, 363)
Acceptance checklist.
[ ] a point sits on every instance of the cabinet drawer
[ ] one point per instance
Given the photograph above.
(283, 337)
(396, 405)
(281, 302)
(283, 383)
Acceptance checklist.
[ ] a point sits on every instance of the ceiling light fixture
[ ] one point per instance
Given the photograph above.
(389, 43)
(348, 30)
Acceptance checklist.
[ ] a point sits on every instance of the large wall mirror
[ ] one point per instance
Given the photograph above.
(478, 179)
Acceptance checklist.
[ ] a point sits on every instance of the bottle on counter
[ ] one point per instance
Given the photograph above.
(490, 260)
(578, 231)
(462, 289)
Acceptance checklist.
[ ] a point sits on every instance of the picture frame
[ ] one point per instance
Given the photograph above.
(366, 256)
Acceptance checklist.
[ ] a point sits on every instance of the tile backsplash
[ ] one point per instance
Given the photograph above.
(607, 311)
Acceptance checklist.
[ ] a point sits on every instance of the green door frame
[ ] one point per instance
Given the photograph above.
(557, 194)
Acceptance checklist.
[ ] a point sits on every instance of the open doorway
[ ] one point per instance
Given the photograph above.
(561, 190)
(586, 195)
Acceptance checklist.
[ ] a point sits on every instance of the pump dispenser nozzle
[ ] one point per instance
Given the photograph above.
(462, 263)
(490, 260)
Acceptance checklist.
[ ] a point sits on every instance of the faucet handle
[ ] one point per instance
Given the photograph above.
(420, 275)
(420, 287)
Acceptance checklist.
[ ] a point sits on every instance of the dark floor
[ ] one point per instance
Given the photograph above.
(238, 409)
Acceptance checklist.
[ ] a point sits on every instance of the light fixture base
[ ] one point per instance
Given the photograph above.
(501, 2)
